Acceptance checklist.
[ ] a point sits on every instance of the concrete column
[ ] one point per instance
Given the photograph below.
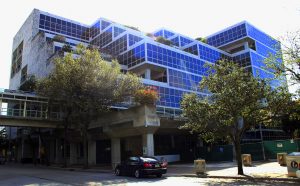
(246, 45)
(73, 153)
(115, 151)
(24, 111)
(92, 152)
(58, 151)
(0, 106)
(148, 144)
(148, 74)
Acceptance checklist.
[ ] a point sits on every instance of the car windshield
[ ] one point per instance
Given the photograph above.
(148, 159)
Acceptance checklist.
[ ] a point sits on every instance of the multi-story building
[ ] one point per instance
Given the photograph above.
(175, 66)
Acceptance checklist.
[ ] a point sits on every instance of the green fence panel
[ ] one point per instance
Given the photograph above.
(219, 153)
(278, 146)
(255, 149)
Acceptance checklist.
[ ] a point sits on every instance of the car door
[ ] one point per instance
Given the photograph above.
(132, 164)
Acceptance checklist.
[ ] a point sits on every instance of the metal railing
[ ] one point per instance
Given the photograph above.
(33, 114)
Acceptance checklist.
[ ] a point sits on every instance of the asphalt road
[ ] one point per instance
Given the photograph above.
(12, 175)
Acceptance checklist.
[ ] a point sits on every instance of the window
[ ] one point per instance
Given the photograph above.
(17, 60)
(23, 75)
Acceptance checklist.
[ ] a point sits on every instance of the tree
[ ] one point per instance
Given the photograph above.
(238, 102)
(29, 85)
(163, 40)
(291, 121)
(290, 52)
(202, 39)
(86, 86)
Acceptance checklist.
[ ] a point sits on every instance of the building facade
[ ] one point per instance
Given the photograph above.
(174, 67)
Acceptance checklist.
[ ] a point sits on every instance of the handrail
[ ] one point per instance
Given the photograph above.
(11, 112)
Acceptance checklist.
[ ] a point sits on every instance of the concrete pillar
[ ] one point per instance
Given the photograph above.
(0, 106)
(246, 45)
(58, 152)
(148, 74)
(73, 153)
(148, 144)
(115, 151)
(92, 152)
(24, 111)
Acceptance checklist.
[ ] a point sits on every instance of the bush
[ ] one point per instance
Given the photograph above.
(132, 27)
(67, 48)
(203, 40)
(146, 95)
(59, 38)
(163, 41)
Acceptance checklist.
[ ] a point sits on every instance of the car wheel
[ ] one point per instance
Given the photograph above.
(117, 172)
(159, 175)
(137, 173)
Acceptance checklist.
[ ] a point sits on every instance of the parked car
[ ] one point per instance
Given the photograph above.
(141, 166)
(2, 159)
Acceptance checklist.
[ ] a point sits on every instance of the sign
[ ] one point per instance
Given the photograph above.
(279, 145)
(152, 120)
(294, 164)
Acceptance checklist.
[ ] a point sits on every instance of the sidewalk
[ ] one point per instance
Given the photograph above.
(259, 170)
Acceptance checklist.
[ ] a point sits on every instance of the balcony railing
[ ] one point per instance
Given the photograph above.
(32, 114)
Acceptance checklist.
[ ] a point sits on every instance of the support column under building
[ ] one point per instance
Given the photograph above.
(73, 153)
(148, 144)
(115, 151)
(0, 106)
(92, 152)
(148, 74)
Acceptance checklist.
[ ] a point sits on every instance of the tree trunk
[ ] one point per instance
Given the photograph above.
(85, 148)
(237, 146)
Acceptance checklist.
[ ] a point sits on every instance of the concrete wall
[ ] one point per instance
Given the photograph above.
(36, 50)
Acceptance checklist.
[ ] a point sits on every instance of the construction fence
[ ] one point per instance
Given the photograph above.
(258, 150)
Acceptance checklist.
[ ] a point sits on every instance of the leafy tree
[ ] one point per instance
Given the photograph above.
(29, 84)
(291, 122)
(291, 54)
(86, 86)
(238, 102)
(163, 40)
(202, 39)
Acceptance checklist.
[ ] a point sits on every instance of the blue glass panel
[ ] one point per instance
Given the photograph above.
(104, 24)
(263, 50)
(184, 41)
(227, 36)
(133, 39)
(118, 31)
(263, 38)
(175, 41)
(159, 33)
(168, 34)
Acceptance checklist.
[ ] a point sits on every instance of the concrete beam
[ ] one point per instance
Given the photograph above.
(143, 115)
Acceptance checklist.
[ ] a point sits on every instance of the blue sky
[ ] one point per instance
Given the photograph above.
(190, 17)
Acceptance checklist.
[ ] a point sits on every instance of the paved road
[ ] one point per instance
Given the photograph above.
(27, 175)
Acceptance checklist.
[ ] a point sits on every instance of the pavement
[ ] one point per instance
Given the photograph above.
(258, 170)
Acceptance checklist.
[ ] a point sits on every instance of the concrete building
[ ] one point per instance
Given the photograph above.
(175, 67)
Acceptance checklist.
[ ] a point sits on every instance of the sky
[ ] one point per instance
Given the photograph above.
(194, 18)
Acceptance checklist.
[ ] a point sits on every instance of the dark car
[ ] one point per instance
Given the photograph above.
(2, 159)
(141, 166)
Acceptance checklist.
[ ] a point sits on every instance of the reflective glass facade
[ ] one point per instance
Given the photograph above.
(183, 62)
